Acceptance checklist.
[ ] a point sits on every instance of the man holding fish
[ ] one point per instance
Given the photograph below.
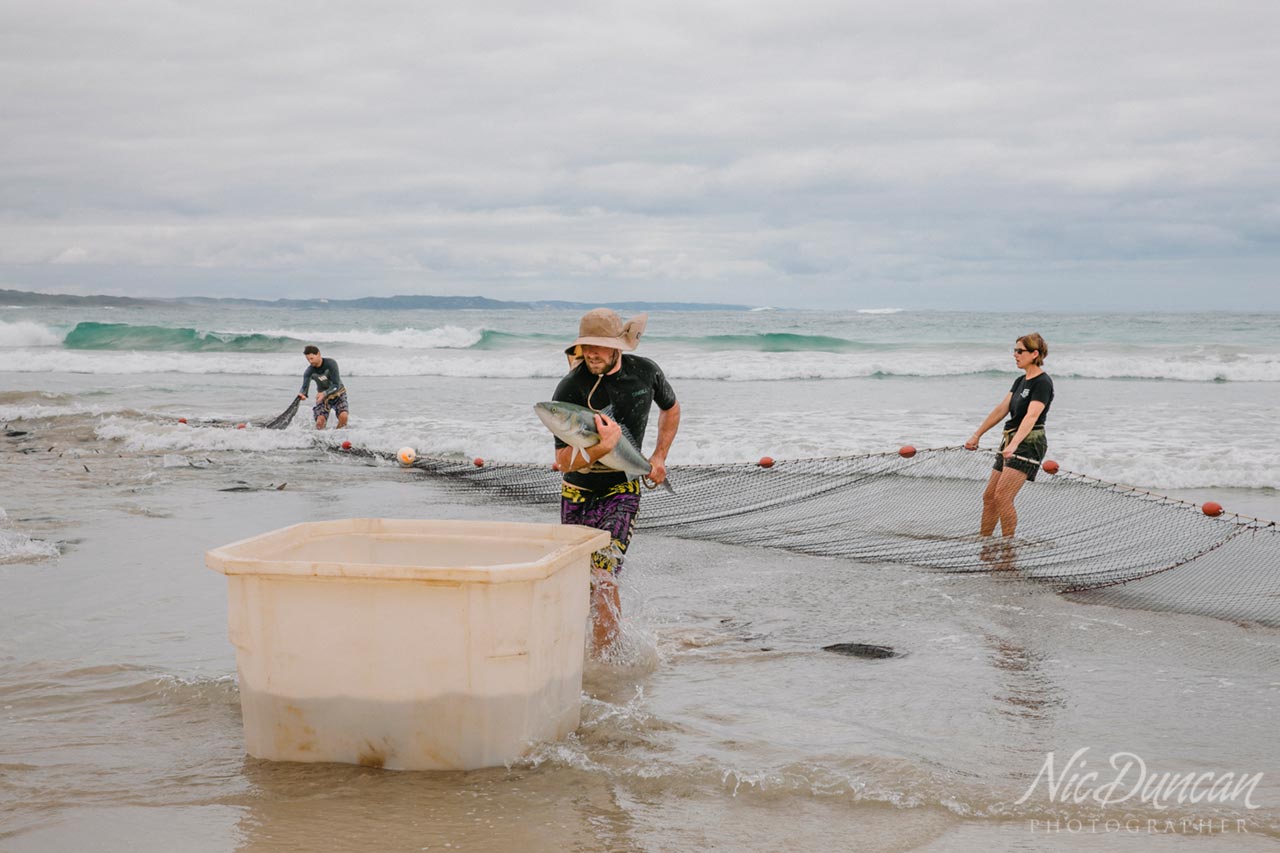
(598, 415)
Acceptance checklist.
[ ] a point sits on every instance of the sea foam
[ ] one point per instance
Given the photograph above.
(171, 437)
(26, 333)
(677, 363)
(442, 337)
(17, 547)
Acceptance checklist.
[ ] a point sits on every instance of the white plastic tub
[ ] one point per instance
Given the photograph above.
(423, 645)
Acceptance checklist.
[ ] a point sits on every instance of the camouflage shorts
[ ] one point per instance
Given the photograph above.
(1034, 446)
(336, 403)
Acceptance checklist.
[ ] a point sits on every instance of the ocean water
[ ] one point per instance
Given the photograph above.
(723, 726)
(1174, 401)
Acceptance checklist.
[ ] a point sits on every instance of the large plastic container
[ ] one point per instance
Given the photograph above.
(423, 645)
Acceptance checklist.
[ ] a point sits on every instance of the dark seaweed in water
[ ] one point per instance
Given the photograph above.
(862, 650)
(242, 486)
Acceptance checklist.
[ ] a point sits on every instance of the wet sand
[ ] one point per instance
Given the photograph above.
(723, 726)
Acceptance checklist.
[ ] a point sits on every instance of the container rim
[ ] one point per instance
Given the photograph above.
(565, 542)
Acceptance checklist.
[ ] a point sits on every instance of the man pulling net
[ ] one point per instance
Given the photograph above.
(331, 394)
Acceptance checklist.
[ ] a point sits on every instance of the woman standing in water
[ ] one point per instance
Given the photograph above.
(1023, 446)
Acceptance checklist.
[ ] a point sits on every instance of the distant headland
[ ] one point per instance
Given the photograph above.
(375, 303)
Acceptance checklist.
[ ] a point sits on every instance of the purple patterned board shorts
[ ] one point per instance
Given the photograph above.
(336, 402)
(614, 511)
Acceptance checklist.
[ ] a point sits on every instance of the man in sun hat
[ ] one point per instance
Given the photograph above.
(604, 373)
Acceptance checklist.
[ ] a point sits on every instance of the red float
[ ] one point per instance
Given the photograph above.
(906, 451)
(1050, 467)
(555, 466)
(766, 462)
(346, 445)
(478, 462)
(239, 426)
(1213, 509)
(182, 420)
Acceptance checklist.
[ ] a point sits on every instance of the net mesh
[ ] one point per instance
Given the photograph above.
(283, 419)
(1095, 540)
(280, 421)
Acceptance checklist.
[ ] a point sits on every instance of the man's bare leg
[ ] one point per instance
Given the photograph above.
(606, 610)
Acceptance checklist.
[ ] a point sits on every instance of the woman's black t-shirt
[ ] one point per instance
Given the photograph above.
(1024, 391)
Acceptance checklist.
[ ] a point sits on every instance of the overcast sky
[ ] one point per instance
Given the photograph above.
(983, 155)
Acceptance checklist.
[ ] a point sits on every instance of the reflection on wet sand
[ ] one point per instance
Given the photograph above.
(330, 806)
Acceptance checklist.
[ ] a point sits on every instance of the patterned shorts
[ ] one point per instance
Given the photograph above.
(614, 511)
(1034, 446)
(337, 403)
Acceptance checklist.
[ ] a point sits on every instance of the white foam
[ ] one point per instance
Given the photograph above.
(1189, 467)
(444, 337)
(787, 366)
(466, 364)
(1193, 364)
(881, 310)
(35, 411)
(169, 438)
(28, 334)
(19, 548)
(133, 363)
(1186, 365)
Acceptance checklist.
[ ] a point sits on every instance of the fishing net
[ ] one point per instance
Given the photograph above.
(280, 421)
(283, 419)
(1084, 537)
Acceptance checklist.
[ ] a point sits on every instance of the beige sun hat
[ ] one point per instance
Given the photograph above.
(602, 327)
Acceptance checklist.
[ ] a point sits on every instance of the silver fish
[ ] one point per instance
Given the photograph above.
(576, 426)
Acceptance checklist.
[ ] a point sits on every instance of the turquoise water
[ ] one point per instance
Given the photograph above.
(1232, 337)
(125, 337)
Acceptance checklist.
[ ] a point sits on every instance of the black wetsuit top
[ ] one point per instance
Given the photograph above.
(326, 377)
(1024, 391)
(637, 385)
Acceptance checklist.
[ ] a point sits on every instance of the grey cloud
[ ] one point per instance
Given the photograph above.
(806, 154)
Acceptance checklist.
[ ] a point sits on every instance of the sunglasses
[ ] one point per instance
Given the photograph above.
(1020, 350)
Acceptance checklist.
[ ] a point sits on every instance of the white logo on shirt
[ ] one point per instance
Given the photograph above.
(1026, 392)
